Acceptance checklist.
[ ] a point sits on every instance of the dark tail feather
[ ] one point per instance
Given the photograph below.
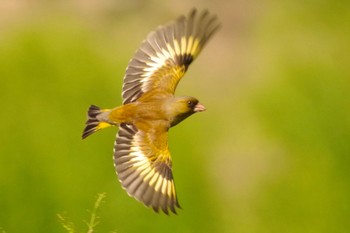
(94, 122)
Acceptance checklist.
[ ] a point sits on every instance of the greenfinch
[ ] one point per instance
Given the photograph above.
(141, 156)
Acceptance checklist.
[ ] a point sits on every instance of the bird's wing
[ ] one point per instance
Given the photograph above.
(143, 164)
(165, 55)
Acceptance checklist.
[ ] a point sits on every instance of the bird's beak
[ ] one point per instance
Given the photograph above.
(199, 108)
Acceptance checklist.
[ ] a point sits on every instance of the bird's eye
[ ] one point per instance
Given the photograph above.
(189, 103)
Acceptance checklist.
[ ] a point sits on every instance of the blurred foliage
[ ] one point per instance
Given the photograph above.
(271, 154)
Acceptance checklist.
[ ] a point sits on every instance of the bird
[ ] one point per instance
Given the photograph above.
(150, 108)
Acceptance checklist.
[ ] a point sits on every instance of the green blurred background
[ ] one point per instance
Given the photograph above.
(271, 153)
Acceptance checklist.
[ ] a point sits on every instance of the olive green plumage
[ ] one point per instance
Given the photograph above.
(141, 155)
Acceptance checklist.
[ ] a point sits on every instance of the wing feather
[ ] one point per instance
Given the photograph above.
(144, 167)
(163, 58)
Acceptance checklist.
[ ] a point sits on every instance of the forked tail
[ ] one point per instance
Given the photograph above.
(97, 119)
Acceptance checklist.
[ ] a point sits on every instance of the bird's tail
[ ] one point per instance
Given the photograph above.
(97, 119)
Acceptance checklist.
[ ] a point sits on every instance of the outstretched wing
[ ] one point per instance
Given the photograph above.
(165, 55)
(143, 164)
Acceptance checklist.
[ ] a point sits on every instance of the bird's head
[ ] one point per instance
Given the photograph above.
(183, 107)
